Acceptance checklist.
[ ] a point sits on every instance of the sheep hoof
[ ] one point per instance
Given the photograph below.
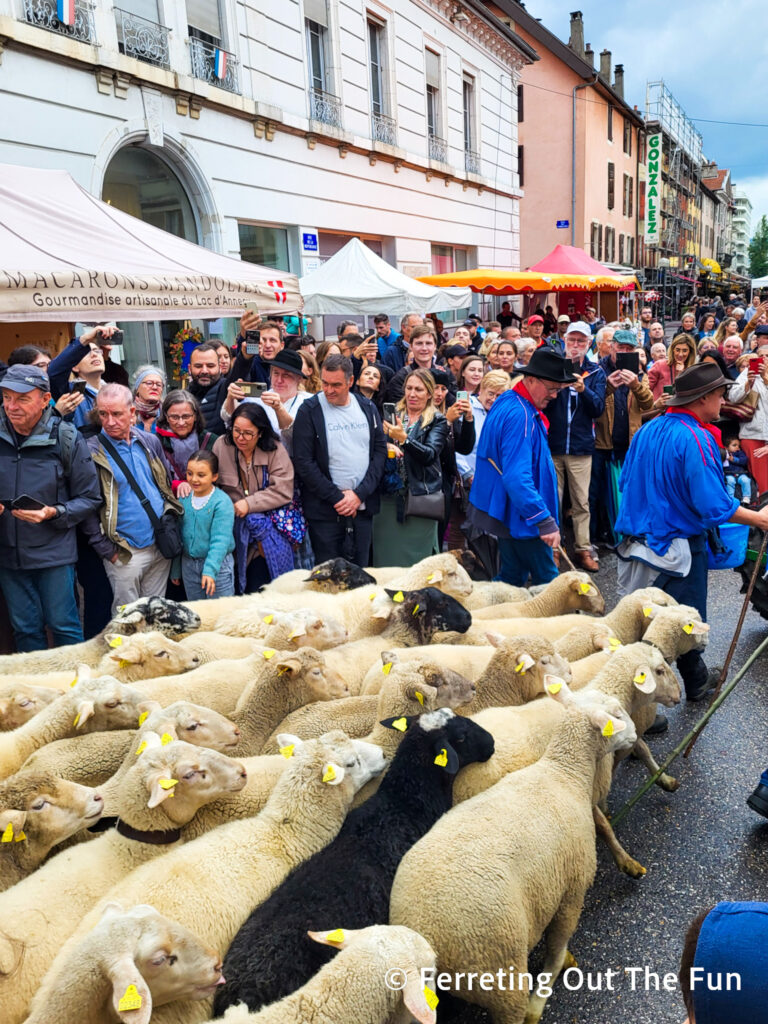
(570, 960)
(668, 783)
(631, 867)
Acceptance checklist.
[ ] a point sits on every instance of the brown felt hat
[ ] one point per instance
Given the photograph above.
(697, 381)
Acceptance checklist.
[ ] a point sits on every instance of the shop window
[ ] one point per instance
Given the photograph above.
(266, 246)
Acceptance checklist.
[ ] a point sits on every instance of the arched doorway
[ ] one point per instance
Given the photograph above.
(141, 181)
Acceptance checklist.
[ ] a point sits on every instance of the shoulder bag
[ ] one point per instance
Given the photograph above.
(167, 527)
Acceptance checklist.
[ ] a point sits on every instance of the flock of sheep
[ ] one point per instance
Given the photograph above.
(336, 778)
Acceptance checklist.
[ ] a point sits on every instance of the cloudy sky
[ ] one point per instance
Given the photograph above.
(712, 56)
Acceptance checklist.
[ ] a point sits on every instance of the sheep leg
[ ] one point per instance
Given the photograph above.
(622, 859)
(557, 935)
(643, 751)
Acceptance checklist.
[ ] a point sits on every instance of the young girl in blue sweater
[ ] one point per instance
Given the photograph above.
(207, 565)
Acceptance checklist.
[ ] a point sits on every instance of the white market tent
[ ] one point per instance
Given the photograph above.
(65, 255)
(759, 282)
(357, 281)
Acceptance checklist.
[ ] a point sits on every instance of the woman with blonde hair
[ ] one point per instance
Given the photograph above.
(312, 382)
(727, 327)
(407, 522)
(325, 349)
(681, 355)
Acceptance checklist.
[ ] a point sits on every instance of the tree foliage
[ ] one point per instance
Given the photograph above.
(758, 249)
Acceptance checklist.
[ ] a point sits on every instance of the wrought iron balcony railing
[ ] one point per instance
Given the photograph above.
(383, 129)
(438, 149)
(471, 161)
(143, 39)
(77, 20)
(325, 107)
(212, 64)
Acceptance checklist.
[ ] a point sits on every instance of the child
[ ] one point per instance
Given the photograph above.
(207, 565)
(735, 469)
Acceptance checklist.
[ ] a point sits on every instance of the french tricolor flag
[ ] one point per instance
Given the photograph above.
(65, 11)
(219, 60)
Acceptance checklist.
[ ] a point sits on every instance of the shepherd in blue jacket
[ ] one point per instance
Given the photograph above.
(673, 492)
(514, 492)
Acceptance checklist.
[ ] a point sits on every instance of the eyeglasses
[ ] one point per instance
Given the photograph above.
(180, 417)
(247, 435)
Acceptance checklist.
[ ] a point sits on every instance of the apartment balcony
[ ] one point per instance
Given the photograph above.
(383, 129)
(438, 149)
(471, 161)
(325, 108)
(145, 40)
(44, 14)
(212, 64)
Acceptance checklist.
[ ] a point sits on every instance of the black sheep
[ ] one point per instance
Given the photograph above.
(349, 882)
(340, 574)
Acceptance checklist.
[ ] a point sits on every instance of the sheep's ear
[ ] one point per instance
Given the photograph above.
(131, 997)
(557, 689)
(339, 938)
(288, 744)
(607, 643)
(12, 825)
(415, 996)
(400, 724)
(83, 673)
(607, 724)
(435, 577)
(692, 627)
(131, 654)
(495, 639)
(643, 679)
(333, 774)
(85, 709)
(299, 629)
(389, 658)
(446, 757)
(425, 694)
(651, 610)
(397, 596)
(381, 607)
(147, 708)
(288, 665)
(161, 786)
(582, 587)
(523, 662)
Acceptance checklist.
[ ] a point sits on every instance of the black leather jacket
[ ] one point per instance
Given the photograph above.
(422, 453)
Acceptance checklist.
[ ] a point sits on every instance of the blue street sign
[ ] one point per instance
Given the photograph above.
(309, 241)
(563, 224)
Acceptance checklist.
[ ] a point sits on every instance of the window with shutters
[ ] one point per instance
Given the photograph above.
(621, 248)
(468, 111)
(316, 12)
(594, 242)
(631, 251)
(599, 243)
(376, 57)
(204, 21)
(432, 70)
(521, 165)
(625, 199)
(627, 136)
(610, 122)
(611, 185)
(631, 197)
(520, 105)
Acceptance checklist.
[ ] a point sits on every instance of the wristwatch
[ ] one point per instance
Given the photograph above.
(60, 511)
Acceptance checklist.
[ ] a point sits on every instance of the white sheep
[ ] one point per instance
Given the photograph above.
(43, 811)
(39, 913)
(490, 592)
(469, 662)
(21, 701)
(130, 962)
(353, 985)
(251, 857)
(301, 627)
(515, 862)
(569, 592)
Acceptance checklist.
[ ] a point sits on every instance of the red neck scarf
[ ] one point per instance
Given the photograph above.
(709, 427)
(523, 391)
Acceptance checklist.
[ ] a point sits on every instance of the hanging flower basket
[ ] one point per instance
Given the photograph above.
(183, 343)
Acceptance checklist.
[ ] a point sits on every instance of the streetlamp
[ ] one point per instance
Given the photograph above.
(664, 265)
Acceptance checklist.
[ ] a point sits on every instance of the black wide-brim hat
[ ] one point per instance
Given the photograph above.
(287, 359)
(697, 381)
(546, 364)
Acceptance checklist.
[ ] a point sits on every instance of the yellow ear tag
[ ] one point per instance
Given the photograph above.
(372, 597)
(335, 936)
(293, 635)
(608, 728)
(399, 597)
(268, 619)
(442, 758)
(430, 577)
(584, 588)
(420, 698)
(614, 643)
(268, 652)
(7, 836)
(401, 724)
(688, 627)
(20, 837)
(141, 748)
(77, 719)
(647, 612)
(287, 752)
(554, 687)
(415, 610)
(520, 667)
(131, 1000)
(639, 678)
(386, 669)
(74, 682)
(123, 663)
(143, 717)
(165, 739)
(168, 783)
(116, 641)
(430, 997)
(330, 773)
(282, 670)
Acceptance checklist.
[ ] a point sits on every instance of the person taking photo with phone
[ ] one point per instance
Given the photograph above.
(281, 400)
(83, 356)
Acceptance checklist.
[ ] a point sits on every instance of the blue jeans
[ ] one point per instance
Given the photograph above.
(37, 598)
(743, 481)
(192, 571)
(521, 558)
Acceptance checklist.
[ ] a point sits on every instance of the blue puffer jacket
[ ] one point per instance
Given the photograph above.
(572, 414)
(524, 494)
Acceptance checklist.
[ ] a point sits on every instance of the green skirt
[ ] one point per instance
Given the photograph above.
(401, 543)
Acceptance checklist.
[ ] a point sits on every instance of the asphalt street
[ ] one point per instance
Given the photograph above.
(700, 845)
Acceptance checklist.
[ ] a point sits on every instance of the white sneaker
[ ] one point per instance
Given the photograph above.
(746, 501)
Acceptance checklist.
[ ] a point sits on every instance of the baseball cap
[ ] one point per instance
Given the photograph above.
(625, 338)
(760, 331)
(579, 327)
(452, 351)
(535, 319)
(469, 323)
(22, 379)
(563, 319)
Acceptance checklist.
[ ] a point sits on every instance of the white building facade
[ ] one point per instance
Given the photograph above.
(277, 129)
(742, 231)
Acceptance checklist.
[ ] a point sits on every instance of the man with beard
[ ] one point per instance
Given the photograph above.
(207, 385)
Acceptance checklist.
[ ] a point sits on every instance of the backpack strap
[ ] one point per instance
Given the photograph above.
(65, 436)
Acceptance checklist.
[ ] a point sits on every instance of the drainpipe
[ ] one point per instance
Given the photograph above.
(576, 88)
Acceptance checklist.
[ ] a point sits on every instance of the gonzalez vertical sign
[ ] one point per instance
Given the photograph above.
(653, 190)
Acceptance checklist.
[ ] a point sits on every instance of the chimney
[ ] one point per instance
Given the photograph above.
(618, 80)
(605, 65)
(576, 42)
(589, 55)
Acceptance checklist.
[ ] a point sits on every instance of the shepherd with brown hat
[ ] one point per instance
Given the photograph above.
(673, 496)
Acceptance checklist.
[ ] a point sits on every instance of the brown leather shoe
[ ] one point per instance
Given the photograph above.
(586, 561)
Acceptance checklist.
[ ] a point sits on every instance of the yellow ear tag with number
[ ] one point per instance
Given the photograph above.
(430, 577)
(123, 663)
(19, 837)
(268, 652)
(287, 752)
(399, 597)
(401, 724)
(167, 783)
(647, 612)
(639, 678)
(143, 717)
(330, 773)
(141, 748)
(7, 836)
(268, 619)
(554, 687)
(442, 758)
(430, 997)
(608, 728)
(165, 739)
(77, 719)
(415, 610)
(386, 669)
(688, 628)
(131, 1000)
(420, 698)
(116, 641)
(584, 588)
(335, 936)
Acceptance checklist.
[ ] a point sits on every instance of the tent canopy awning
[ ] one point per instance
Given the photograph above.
(357, 281)
(65, 255)
(515, 282)
(567, 259)
(759, 282)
